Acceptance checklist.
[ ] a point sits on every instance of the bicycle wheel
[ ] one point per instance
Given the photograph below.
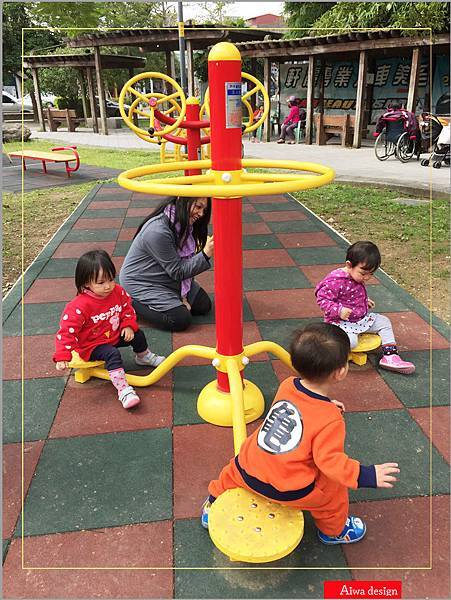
(405, 147)
(383, 149)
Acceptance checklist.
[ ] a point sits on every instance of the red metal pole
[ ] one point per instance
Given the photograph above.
(193, 134)
(224, 76)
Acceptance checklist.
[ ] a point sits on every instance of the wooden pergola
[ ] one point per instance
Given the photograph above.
(84, 64)
(365, 46)
(197, 37)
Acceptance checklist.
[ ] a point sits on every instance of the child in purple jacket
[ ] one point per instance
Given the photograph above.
(342, 297)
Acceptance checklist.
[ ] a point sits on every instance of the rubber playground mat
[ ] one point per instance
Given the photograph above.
(112, 497)
(56, 176)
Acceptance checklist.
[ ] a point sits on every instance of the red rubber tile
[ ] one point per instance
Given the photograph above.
(255, 228)
(38, 352)
(305, 240)
(126, 234)
(12, 480)
(127, 551)
(194, 470)
(106, 204)
(92, 407)
(153, 199)
(248, 208)
(362, 390)
(440, 426)
(111, 223)
(205, 335)
(399, 535)
(315, 273)
(139, 212)
(117, 261)
(414, 333)
(206, 280)
(283, 304)
(76, 249)
(282, 215)
(51, 290)
(262, 259)
(276, 198)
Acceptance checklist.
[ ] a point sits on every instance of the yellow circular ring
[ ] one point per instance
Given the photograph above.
(250, 184)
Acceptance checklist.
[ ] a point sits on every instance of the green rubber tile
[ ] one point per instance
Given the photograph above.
(273, 206)
(189, 381)
(101, 481)
(414, 390)
(299, 575)
(210, 317)
(261, 242)
(280, 278)
(317, 256)
(281, 331)
(132, 221)
(158, 341)
(251, 217)
(40, 402)
(91, 235)
(38, 319)
(101, 213)
(122, 247)
(59, 267)
(293, 226)
(5, 549)
(387, 300)
(394, 436)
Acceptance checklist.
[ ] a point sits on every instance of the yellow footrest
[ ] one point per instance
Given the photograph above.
(249, 528)
(367, 342)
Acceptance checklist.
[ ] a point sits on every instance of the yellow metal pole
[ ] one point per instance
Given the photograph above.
(236, 393)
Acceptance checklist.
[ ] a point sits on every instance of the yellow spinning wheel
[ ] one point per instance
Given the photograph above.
(155, 101)
(223, 184)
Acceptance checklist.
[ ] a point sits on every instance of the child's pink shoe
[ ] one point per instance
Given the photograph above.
(393, 362)
(128, 397)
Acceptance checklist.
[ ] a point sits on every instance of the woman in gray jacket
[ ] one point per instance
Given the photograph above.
(170, 247)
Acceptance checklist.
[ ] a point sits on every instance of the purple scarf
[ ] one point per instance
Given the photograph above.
(186, 251)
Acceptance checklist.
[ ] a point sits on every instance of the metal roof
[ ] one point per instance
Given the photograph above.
(108, 61)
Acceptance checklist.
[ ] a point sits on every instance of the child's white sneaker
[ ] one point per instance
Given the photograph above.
(128, 397)
(149, 360)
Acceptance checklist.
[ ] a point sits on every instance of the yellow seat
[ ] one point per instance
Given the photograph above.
(249, 528)
(367, 342)
(82, 367)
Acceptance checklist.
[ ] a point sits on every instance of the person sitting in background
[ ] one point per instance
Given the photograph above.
(291, 121)
(256, 116)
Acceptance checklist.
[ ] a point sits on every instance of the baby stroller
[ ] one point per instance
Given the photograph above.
(435, 133)
(397, 134)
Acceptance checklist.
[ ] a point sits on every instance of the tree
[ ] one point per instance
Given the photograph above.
(343, 16)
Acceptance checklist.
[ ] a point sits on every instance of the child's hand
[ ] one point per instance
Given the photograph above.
(345, 313)
(383, 474)
(62, 365)
(371, 303)
(128, 334)
(209, 246)
(339, 405)
(186, 303)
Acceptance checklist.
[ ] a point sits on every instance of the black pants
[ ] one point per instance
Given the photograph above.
(111, 355)
(178, 318)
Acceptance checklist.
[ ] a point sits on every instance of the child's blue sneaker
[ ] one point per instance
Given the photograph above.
(353, 531)
(204, 516)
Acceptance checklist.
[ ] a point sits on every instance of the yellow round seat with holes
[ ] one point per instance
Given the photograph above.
(367, 342)
(249, 528)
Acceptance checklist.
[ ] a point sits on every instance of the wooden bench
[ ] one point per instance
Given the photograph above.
(68, 116)
(50, 157)
(327, 126)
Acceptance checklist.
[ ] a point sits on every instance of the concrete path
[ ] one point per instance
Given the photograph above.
(351, 165)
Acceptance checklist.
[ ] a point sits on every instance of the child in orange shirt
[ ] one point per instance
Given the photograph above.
(297, 456)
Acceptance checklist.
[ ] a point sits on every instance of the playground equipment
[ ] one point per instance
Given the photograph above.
(55, 156)
(367, 342)
(230, 400)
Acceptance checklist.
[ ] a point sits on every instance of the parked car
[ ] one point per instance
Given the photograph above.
(112, 107)
(48, 100)
(11, 104)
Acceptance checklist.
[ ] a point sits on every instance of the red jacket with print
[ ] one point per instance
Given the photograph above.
(90, 320)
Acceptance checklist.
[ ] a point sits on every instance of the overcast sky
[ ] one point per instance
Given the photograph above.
(236, 9)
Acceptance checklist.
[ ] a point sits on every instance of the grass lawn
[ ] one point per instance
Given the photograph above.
(414, 240)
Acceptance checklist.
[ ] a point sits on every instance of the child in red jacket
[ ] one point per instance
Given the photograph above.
(297, 456)
(98, 321)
